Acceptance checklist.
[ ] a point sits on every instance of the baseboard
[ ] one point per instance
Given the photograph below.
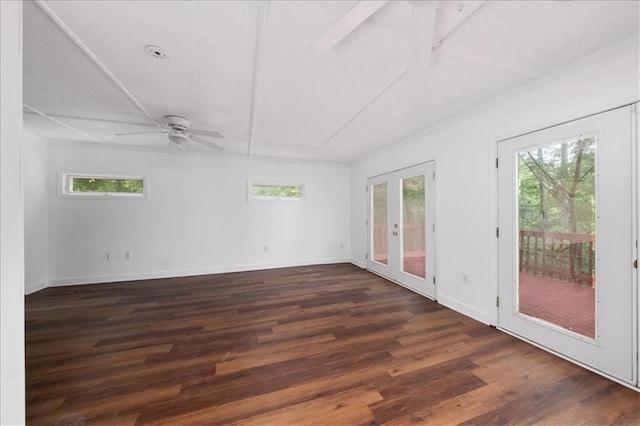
(33, 287)
(97, 279)
(359, 263)
(464, 309)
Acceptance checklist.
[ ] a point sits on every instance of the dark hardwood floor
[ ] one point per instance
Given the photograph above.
(328, 344)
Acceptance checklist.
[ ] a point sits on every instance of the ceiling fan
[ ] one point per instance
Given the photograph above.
(179, 131)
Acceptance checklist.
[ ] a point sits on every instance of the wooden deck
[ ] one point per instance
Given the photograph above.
(563, 303)
(327, 344)
(412, 263)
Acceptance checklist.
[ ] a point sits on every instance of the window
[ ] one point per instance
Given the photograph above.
(98, 185)
(273, 191)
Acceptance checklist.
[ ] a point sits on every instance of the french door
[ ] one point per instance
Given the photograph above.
(401, 227)
(566, 240)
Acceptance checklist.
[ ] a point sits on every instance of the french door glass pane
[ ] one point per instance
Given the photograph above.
(380, 215)
(556, 241)
(413, 220)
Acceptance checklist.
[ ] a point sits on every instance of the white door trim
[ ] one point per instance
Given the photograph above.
(393, 271)
(504, 219)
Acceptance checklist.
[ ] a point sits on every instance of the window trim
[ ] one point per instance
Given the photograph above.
(66, 177)
(257, 182)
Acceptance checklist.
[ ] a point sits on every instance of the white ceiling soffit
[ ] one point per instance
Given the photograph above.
(245, 68)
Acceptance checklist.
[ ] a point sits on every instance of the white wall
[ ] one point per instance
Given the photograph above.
(36, 234)
(197, 219)
(12, 397)
(465, 149)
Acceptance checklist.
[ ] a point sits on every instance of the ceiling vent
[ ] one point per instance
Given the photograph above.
(157, 52)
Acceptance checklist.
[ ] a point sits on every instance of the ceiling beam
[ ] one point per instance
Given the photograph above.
(100, 120)
(473, 12)
(263, 19)
(345, 25)
(443, 43)
(437, 44)
(423, 23)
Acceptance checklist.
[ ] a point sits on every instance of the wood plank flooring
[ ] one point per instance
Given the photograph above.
(327, 344)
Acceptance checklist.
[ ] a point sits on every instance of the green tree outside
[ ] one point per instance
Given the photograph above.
(101, 185)
(277, 191)
(557, 195)
(557, 187)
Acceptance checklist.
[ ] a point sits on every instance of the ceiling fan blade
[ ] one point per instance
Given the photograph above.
(206, 143)
(142, 133)
(423, 23)
(207, 133)
(349, 22)
(99, 120)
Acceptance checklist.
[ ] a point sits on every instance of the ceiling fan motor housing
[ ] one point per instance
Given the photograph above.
(175, 122)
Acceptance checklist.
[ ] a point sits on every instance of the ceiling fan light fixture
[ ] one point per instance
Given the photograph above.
(179, 139)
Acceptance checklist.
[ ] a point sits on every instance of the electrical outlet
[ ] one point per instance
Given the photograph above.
(127, 255)
(107, 256)
(266, 248)
(465, 278)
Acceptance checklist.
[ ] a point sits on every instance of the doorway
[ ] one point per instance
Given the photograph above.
(401, 227)
(566, 240)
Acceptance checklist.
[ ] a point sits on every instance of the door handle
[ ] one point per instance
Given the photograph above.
(635, 263)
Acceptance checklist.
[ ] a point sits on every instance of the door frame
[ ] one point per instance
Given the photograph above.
(635, 215)
(378, 268)
(635, 140)
(395, 254)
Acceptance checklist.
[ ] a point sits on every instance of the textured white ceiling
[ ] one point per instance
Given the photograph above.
(245, 69)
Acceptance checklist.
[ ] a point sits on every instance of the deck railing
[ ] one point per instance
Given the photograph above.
(569, 257)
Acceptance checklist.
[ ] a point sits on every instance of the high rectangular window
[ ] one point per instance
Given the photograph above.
(271, 191)
(99, 185)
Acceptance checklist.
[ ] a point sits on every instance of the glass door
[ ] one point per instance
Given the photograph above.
(401, 227)
(379, 225)
(566, 245)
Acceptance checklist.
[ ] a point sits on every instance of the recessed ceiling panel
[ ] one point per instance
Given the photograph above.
(308, 97)
(60, 79)
(262, 148)
(210, 45)
(453, 85)
(331, 154)
(540, 36)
